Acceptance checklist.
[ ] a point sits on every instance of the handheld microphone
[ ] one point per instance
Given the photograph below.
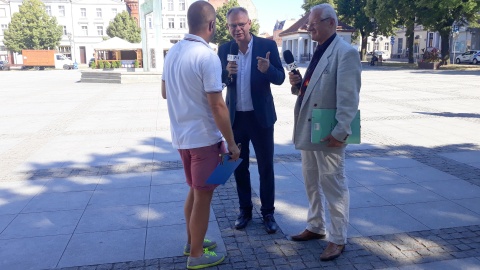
(233, 57)
(292, 66)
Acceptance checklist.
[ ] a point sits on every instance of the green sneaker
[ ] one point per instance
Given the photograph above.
(209, 258)
(207, 244)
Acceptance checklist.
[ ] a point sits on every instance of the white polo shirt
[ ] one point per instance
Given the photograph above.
(191, 70)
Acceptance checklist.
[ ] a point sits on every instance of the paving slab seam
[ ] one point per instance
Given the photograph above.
(427, 156)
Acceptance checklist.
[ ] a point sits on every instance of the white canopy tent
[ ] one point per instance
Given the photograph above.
(116, 44)
(118, 50)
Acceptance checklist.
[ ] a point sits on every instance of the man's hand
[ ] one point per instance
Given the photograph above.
(263, 63)
(232, 68)
(234, 151)
(332, 142)
(294, 80)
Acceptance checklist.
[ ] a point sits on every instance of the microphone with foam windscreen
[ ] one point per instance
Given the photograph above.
(233, 57)
(292, 66)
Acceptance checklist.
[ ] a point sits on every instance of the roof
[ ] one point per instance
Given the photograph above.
(300, 26)
(116, 44)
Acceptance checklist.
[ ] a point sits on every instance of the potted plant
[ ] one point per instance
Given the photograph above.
(101, 64)
(107, 66)
(431, 59)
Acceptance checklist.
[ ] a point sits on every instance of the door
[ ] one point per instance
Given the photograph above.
(83, 55)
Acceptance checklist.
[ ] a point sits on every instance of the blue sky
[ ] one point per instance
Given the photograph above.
(269, 11)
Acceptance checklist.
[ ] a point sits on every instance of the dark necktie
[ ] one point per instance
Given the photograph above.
(311, 67)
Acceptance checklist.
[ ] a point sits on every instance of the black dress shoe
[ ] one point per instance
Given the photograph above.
(242, 220)
(270, 224)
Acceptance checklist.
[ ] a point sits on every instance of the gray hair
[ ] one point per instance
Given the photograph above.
(327, 11)
(236, 10)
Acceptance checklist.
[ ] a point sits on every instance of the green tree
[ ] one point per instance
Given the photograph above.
(352, 12)
(222, 34)
(32, 28)
(440, 15)
(389, 14)
(311, 3)
(124, 27)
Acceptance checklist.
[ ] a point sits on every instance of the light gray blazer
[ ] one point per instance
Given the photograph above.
(335, 84)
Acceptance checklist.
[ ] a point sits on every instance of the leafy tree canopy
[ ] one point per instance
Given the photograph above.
(222, 34)
(311, 3)
(440, 15)
(124, 27)
(32, 28)
(389, 14)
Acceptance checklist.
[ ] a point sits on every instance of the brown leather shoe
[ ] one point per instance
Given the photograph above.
(332, 251)
(306, 236)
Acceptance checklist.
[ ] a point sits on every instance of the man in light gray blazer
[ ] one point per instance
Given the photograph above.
(332, 81)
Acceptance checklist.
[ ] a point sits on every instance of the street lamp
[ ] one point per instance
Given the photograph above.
(72, 50)
(374, 26)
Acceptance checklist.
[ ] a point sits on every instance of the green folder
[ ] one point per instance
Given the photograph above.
(323, 122)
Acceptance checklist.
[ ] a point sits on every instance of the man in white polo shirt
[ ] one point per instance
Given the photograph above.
(198, 118)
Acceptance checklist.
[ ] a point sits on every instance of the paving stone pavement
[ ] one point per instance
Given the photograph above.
(429, 121)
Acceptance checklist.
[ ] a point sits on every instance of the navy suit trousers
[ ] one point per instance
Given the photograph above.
(245, 129)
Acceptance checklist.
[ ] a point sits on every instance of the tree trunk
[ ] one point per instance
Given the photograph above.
(445, 35)
(364, 46)
(410, 34)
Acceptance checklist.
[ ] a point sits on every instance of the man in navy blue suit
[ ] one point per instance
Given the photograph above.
(252, 112)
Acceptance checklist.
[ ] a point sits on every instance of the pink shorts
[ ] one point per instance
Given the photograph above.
(199, 163)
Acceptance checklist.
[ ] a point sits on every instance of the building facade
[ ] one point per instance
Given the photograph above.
(298, 40)
(395, 46)
(84, 24)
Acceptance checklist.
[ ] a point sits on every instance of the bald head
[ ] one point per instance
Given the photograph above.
(199, 16)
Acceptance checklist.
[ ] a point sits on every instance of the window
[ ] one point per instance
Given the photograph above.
(171, 23)
(100, 30)
(99, 13)
(430, 40)
(375, 47)
(150, 23)
(48, 9)
(84, 30)
(181, 5)
(61, 11)
(3, 48)
(65, 30)
(183, 23)
(170, 5)
(83, 12)
(3, 27)
(64, 49)
(400, 45)
(114, 12)
(386, 47)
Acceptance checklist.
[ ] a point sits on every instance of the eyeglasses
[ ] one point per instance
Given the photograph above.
(234, 26)
(313, 23)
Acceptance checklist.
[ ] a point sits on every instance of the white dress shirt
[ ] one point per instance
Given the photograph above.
(244, 96)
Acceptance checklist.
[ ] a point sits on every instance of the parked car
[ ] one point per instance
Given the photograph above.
(4, 65)
(466, 57)
(476, 58)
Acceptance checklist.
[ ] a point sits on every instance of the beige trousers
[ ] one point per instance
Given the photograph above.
(325, 181)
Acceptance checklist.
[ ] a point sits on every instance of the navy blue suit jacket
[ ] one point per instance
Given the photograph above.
(261, 92)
